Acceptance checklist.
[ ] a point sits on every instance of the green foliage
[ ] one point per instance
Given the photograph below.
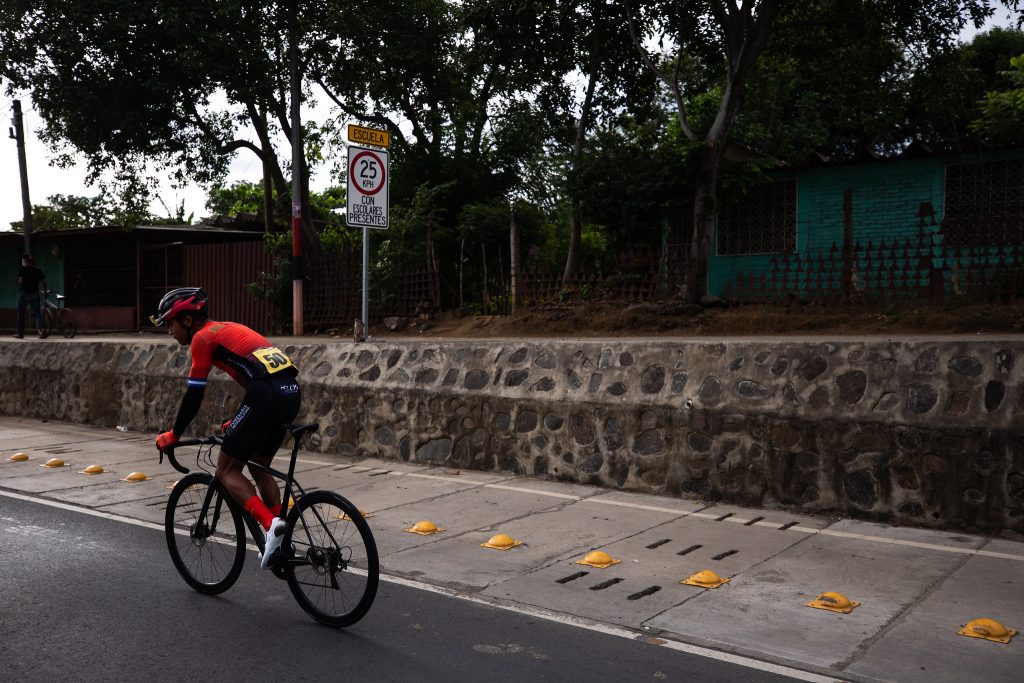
(1002, 111)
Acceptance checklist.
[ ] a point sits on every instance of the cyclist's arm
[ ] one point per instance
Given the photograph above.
(202, 358)
(46, 288)
(190, 404)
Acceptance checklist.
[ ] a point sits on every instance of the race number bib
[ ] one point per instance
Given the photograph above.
(273, 359)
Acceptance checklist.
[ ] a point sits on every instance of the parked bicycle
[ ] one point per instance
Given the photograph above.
(328, 555)
(57, 317)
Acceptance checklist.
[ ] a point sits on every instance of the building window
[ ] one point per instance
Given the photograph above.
(763, 221)
(984, 203)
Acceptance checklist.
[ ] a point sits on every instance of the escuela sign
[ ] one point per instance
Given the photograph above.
(368, 136)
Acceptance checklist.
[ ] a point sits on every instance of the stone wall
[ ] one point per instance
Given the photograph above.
(923, 432)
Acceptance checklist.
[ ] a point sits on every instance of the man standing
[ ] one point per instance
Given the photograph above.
(29, 279)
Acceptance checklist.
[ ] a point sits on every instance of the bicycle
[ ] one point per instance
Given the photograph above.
(328, 555)
(56, 316)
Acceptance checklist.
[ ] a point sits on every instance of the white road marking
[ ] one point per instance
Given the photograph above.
(536, 612)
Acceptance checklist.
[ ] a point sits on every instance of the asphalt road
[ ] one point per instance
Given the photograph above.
(93, 599)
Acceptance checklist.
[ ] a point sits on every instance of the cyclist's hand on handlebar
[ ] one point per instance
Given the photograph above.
(166, 440)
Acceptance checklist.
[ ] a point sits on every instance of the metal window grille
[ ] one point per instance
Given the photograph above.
(984, 203)
(763, 221)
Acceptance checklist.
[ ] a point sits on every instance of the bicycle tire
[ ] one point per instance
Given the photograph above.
(47, 320)
(67, 323)
(326, 539)
(209, 564)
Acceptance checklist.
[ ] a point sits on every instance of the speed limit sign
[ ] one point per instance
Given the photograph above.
(367, 188)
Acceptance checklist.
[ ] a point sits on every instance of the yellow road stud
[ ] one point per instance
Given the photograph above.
(424, 528)
(987, 629)
(93, 469)
(362, 514)
(501, 542)
(136, 477)
(599, 559)
(833, 602)
(53, 462)
(18, 457)
(705, 578)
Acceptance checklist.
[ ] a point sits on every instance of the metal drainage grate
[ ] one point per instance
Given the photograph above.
(727, 515)
(722, 556)
(644, 593)
(377, 474)
(605, 584)
(342, 467)
(754, 521)
(689, 550)
(787, 525)
(571, 577)
(659, 543)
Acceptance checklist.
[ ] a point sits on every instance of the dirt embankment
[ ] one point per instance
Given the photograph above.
(680, 320)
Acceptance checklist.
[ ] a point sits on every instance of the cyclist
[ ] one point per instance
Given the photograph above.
(272, 399)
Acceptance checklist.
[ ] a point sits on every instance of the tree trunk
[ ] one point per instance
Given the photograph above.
(268, 190)
(513, 236)
(704, 211)
(487, 295)
(572, 259)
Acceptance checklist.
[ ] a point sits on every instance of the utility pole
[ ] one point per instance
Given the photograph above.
(297, 165)
(18, 133)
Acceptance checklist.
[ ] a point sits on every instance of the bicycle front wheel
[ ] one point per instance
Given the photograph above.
(47, 313)
(66, 322)
(332, 565)
(207, 548)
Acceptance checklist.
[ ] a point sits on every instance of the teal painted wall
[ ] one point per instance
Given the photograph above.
(50, 263)
(886, 198)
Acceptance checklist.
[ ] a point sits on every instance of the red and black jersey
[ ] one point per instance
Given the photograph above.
(245, 355)
(237, 350)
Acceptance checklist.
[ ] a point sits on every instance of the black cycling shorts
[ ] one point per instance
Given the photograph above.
(258, 426)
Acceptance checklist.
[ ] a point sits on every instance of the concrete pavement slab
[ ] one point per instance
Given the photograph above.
(646, 582)
(764, 608)
(923, 645)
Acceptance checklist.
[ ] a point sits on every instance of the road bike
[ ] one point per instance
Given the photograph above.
(57, 317)
(328, 555)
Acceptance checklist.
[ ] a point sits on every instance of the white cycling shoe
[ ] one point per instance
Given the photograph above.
(275, 535)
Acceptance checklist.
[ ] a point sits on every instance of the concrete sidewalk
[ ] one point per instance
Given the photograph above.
(917, 588)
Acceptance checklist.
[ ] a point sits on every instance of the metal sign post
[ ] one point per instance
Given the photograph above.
(366, 202)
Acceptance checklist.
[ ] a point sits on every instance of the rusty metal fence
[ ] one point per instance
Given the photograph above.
(905, 271)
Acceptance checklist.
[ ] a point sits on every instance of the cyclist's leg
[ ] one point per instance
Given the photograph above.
(284, 408)
(248, 429)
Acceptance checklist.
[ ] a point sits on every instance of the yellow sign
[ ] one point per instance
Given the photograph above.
(368, 136)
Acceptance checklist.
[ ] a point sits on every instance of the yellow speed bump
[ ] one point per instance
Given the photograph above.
(599, 559)
(705, 578)
(987, 629)
(18, 457)
(54, 463)
(833, 602)
(136, 477)
(424, 528)
(93, 469)
(362, 514)
(501, 542)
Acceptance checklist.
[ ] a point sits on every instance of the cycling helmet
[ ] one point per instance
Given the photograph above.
(178, 301)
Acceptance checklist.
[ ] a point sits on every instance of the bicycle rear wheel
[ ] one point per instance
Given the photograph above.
(207, 550)
(66, 322)
(332, 565)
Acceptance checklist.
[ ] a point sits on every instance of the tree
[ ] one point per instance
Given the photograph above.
(728, 38)
(1002, 111)
(175, 84)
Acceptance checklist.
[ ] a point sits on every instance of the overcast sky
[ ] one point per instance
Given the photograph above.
(46, 180)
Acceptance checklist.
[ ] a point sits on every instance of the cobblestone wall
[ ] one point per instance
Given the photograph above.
(918, 432)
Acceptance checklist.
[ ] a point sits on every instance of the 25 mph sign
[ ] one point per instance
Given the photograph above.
(367, 189)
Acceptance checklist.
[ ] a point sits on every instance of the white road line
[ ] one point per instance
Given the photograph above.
(637, 506)
(536, 612)
(505, 487)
